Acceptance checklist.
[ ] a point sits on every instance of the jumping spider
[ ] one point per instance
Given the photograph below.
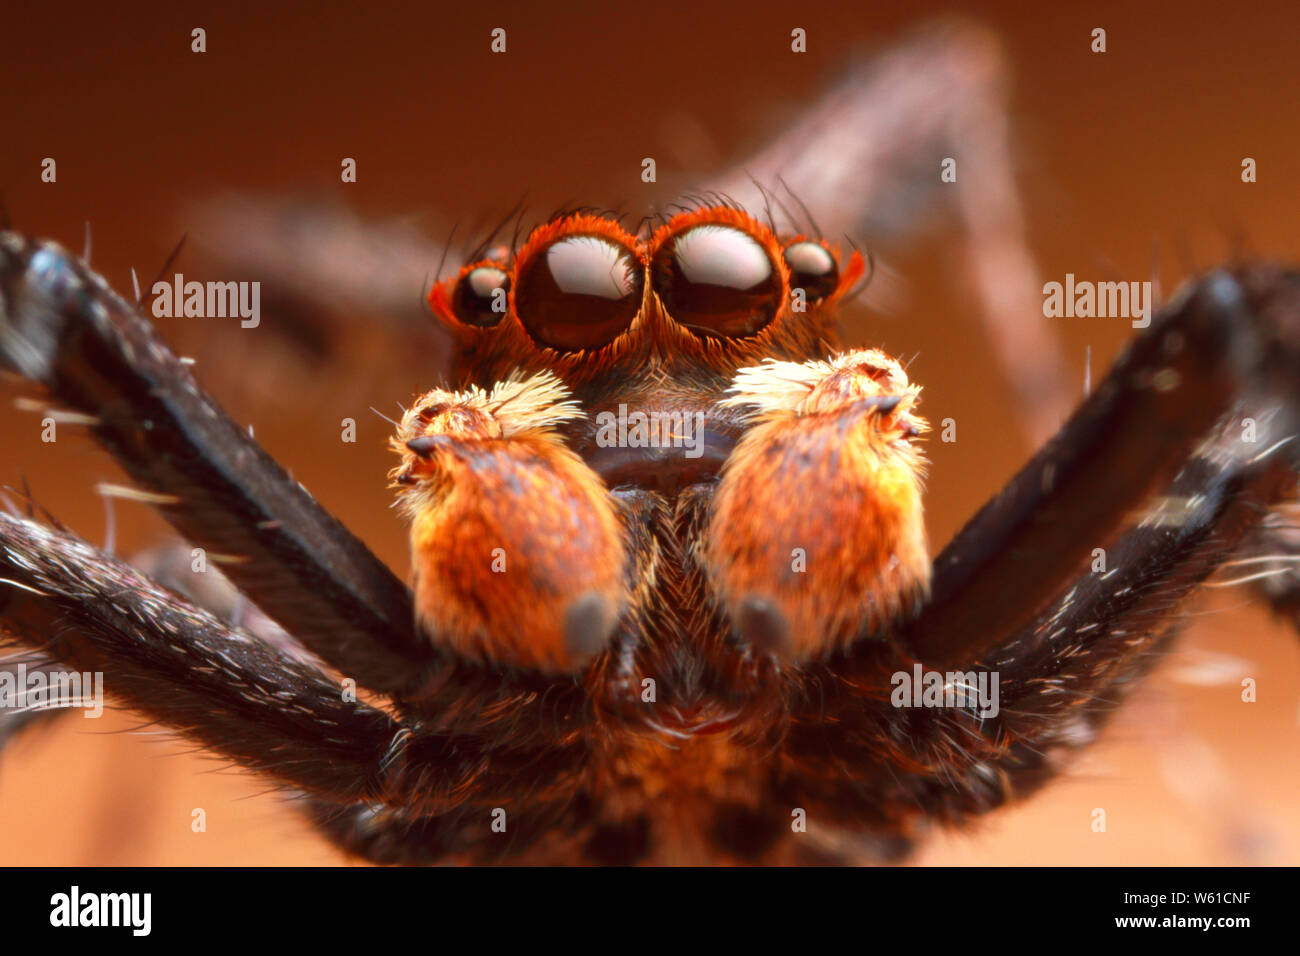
(668, 558)
(622, 653)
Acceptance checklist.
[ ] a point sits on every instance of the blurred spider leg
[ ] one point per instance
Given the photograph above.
(171, 566)
(517, 547)
(868, 157)
(1229, 342)
(324, 267)
(1003, 270)
(62, 326)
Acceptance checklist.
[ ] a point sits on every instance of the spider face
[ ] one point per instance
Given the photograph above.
(656, 323)
(603, 328)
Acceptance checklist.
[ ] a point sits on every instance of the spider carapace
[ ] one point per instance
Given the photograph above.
(658, 476)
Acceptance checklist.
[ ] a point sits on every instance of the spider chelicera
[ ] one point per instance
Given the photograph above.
(668, 562)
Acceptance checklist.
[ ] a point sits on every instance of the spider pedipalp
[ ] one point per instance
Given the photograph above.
(517, 550)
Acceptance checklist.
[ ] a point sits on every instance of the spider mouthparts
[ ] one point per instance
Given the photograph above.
(660, 467)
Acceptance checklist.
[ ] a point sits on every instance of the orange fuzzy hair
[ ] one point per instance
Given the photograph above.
(817, 535)
(517, 547)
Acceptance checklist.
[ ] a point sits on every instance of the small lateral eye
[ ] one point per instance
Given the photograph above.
(579, 292)
(812, 268)
(481, 296)
(718, 281)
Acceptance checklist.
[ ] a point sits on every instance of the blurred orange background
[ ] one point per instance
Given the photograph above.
(1115, 152)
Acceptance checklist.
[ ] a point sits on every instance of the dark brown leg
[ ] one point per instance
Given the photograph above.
(1153, 470)
(61, 325)
(182, 667)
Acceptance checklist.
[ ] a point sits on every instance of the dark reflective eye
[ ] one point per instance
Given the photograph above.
(812, 269)
(481, 296)
(579, 293)
(718, 281)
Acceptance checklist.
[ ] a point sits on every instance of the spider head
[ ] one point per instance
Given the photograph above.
(655, 323)
(691, 356)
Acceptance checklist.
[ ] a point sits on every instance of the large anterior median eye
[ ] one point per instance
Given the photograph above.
(718, 281)
(812, 268)
(481, 296)
(580, 292)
